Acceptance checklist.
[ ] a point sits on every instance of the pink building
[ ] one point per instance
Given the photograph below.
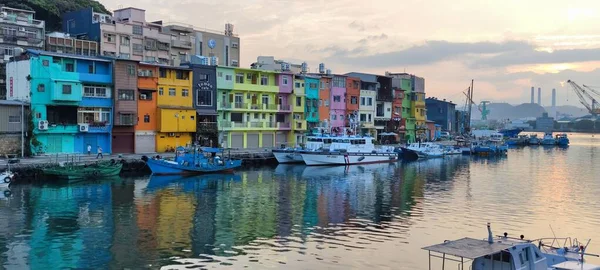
(337, 113)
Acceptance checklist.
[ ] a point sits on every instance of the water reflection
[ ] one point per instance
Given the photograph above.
(319, 217)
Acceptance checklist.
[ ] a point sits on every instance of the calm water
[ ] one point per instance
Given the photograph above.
(376, 216)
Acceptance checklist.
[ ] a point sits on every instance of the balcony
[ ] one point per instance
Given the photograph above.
(284, 108)
(228, 126)
(284, 125)
(182, 44)
(299, 124)
(251, 107)
(366, 124)
(206, 127)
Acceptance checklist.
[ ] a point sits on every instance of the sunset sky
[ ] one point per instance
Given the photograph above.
(506, 46)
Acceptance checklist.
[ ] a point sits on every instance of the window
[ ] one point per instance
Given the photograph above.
(333, 117)
(150, 59)
(138, 48)
(203, 77)
(172, 92)
(204, 97)
(370, 101)
(124, 56)
(92, 91)
(339, 82)
(353, 100)
(341, 117)
(91, 69)
(236, 117)
(66, 89)
(322, 85)
(220, 74)
(312, 85)
(320, 102)
(355, 84)
(163, 73)
(14, 119)
(264, 116)
(239, 78)
(125, 41)
(138, 30)
(146, 118)
(69, 67)
(265, 99)
(161, 91)
(45, 63)
(285, 80)
(363, 101)
(337, 98)
(126, 119)
(126, 94)
(326, 103)
(110, 38)
(181, 75)
(363, 117)
(41, 87)
(185, 92)
(91, 115)
(264, 80)
(297, 85)
(298, 101)
(228, 77)
(256, 115)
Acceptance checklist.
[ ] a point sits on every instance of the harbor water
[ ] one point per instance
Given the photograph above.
(297, 217)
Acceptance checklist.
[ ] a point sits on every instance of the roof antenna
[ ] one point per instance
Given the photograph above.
(490, 237)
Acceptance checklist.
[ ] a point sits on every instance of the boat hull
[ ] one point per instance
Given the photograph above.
(284, 156)
(562, 142)
(325, 159)
(84, 171)
(162, 167)
(548, 142)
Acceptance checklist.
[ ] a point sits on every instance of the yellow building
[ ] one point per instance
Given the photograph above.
(419, 112)
(176, 117)
(299, 127)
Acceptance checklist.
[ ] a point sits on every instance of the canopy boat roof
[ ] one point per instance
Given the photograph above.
(469, 248)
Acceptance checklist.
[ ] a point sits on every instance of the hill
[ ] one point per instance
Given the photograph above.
(51, 10)
(500, 111)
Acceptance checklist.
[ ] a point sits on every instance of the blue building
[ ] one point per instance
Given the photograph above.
(70, 99)
(442, 112)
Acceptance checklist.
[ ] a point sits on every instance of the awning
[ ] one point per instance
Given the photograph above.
(203, 112)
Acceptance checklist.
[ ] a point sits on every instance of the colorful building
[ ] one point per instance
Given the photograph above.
(324, 101)
(299, 124)
(338, 104)
(367, 102)
(284, 117)
(247, 106)
(145, 130)
(70, 100)
(383, 109)
(352, 96)
(418, 108)
(408, 120)
(176, 117)
(205, 102)
(125, 110)
(312, 112)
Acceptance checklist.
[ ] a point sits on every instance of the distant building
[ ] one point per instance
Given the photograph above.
(64, 43)
(519, 123)
(270, 63)
(442, 112)
(19, 30)
(10, 126)
(544, 123)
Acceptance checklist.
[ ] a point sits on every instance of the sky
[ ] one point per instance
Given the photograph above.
(506, 46)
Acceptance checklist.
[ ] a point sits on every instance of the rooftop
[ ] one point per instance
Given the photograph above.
(13, 103)
(82, 57)
(469, 248)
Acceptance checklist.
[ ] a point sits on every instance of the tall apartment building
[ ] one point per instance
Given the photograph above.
(125, 35)
(19, 29)
(64, 43)
(186, 40)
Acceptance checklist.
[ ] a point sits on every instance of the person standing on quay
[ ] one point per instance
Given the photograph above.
(89, 149)
(99, 153)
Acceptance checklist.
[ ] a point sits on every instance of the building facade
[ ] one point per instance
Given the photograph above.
(19, 30)
(284, 116)
(299, 123)
(324, 101)
(442, 112)
(176, 117)
(205, 102)
(352, 97)
(247, 107)
(11, 124)
(383, 109)
(71, 100)
(544, 123)
(124, 35)
(312, 112)
(367, 102)
(64, 43)
(147, 109)
(125, 110)
(338, 104)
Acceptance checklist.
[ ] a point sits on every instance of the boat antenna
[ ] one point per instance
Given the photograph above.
(490, 235)
(552, 230)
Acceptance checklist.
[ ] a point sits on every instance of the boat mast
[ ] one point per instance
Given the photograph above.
(470, 101)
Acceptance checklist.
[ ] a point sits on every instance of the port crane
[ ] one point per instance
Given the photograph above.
(587, 97)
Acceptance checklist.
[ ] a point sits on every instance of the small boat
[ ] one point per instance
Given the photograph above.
(510, 133)
(452, 150)
(562, 139)
(504, 252)
(193, 160)
(548, 139)
(349, 151)
(422, 150)
(520, 140)
(489, 147)
(96, 170)
(533, 139)
(292, 155)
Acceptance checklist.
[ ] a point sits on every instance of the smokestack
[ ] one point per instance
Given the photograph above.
(553, 97)
(540, 96)
(532, 94)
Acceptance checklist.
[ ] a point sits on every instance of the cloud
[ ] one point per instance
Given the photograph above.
(359, 26)
(531, 56)
(383, 36)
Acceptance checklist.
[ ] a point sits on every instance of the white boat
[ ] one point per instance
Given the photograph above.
(349, 151)
(425, 150)
(292, 155)
(451, 150)
(548, 139)
(504, 252)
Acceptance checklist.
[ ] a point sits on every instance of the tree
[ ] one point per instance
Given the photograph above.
(51, 11)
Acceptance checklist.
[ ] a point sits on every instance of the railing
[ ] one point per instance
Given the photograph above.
(207, 126)
(285, 125)
(256, 124)
(285, 107)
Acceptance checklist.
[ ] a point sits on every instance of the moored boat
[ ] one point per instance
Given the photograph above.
(292, 155)
(548, 139)
(349, 151)
(194, 160)
(533, 139)
(96, 170)
(562, 139)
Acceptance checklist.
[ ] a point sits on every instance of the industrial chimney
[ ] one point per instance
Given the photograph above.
(540, 96)
(532, 94)
(553, 98)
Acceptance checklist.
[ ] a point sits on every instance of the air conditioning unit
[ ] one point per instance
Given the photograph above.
(171, 134)
(105, 35)
(141, 73)
(22, 29)
(43, 125)
(143, 97)
(234, 45)
(234, 63)
(84, 127)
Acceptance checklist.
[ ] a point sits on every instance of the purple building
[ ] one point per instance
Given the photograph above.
(337, 113)
(285, 81)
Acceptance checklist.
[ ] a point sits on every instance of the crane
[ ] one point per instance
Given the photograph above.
(484, 110)
(584, 95)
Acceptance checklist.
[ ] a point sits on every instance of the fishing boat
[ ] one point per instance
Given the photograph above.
(193, 160)
(548, 139)
(562, 139)
(422, 150)
(452, 150)
(504, 252)
(350, 150)
(510, 133)
(74, 171)
(488, 147)
(533, 139)
(292, 155)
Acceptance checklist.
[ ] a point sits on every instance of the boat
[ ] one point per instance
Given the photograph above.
(292, 155)
(533, 139)
(193, 160)
(504, 252)
(422, 150)
(74, 171)
(488, 147)
(510, 133)
(548, 139)
(562, 139)
(350, 150)
(452, 150)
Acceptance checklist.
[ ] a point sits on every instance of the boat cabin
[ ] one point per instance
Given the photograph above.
(352, 144)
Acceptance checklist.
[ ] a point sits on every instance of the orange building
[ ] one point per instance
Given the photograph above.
(145, 130)
(324, 98)
(352, 95)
